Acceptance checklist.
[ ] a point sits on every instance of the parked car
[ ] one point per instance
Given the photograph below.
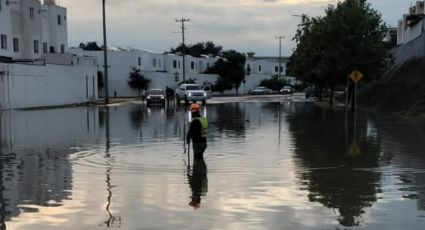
(287, 90)
(260, 90)
(155, 96)
(190, 92)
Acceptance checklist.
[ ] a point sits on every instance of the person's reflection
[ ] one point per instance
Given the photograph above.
(198, 182)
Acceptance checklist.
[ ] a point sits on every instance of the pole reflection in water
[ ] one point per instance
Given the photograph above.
(2, 200)
(113, 221)
(198, 181)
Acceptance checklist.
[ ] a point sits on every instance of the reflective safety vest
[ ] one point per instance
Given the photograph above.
(204, 126)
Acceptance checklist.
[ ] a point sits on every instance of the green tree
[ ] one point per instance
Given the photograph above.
(349, 37)
(90, 46)
(198, 49)
(230, 67)
(222, 84)
(273, 83)
(137, 80)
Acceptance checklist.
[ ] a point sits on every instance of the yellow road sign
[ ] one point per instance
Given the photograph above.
(356, 76)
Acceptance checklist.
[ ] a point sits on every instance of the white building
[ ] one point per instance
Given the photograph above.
(166, 70)
(411, 25)
(35, 69)
(30, 29)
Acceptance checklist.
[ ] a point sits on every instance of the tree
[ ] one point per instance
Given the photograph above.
(275, 83)
(90, 46)
(349, 37)
(222, 84)
(137, 80)
(230, 67)
(198, 49)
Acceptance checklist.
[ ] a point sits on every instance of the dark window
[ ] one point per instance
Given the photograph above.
(192, 65)
(36, 48)
(59, 20)
(62, 48)
(259, 68)
(45, 47)
(52, 49)
(31, 13)
(174, 64)
(154, 63)
(15, 45)
(3, 42)
(276, 69)
(139, 60)
(1, 4)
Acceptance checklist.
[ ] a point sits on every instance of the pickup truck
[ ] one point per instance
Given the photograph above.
(190, 92)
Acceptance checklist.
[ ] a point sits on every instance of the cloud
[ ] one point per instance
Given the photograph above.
(245, 25)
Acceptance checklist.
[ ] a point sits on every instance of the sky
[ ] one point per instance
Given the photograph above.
(242, 25)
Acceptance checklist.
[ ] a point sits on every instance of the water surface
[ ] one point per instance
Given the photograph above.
(268, 165)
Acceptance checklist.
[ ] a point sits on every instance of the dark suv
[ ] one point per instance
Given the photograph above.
(155, 96)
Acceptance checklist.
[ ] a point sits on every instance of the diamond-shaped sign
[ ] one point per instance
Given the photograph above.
(356, 76)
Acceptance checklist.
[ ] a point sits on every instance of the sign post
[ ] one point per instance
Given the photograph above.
(355, 76)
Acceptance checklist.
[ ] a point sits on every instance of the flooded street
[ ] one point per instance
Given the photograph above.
(268, 165)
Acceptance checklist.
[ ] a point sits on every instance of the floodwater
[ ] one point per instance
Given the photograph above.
(268, 165)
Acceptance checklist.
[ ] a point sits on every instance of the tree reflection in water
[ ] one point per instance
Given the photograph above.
(334, 178)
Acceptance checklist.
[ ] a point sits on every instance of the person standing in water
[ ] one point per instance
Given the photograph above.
(198, 131)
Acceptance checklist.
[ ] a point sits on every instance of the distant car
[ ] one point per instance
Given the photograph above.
(260, 90)
(155, 96)
(287, 90)
(190, 92)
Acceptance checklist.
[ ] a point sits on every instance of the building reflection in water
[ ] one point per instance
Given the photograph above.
(35, 169)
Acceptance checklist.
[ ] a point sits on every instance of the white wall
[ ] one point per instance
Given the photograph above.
(26, 86)
(6, 29)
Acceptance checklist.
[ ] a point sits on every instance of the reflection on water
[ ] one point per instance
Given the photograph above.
(198, 181)
(270, 166)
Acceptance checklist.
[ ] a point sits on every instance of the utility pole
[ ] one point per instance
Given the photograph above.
(182, 21)
(105, 54)
(280, 55)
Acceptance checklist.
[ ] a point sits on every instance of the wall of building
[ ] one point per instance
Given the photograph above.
(23, 86)
(415, 48)
(33, 24)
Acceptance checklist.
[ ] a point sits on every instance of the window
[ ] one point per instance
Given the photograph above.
(45, 47)
(208, 65)
(31, 13)
(139, 61)
(59, 20)
(15, 45)
(192, 65)
(174, 64)
(62, 48)
(276, 69)
(154, 63)
(179, 64)
(259, 68)
(1, 5)
(3, 42)
(36, 48)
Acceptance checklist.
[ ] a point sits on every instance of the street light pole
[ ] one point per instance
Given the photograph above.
(183, 20)
(105, 55)
(280, 55)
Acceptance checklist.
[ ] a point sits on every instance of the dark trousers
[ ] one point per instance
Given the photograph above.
(199, 149)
